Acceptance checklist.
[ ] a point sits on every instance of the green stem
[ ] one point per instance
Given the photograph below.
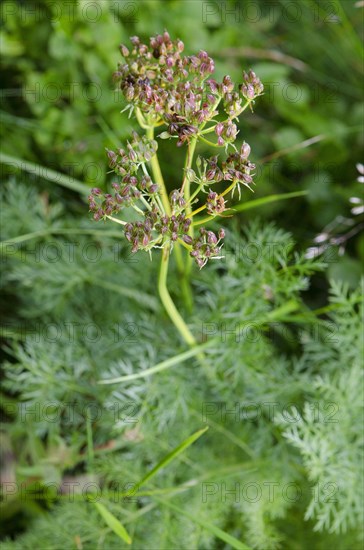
(210, 142)
(146, 203)
(204, 206)
(116, 220)
(186, 187)
(204, 220)
(196, 192)
(168, 302)
(90, 444)
(157, 175)
(158, 178)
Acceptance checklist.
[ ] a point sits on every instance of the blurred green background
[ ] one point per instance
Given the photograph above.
(60, 110)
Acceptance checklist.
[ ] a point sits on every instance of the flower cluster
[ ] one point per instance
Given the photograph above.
(167, 86)
(139, 151)
(164, 87)
(237, 167)
(157, 230)
(252, 86)
(205, 246)
(215, 204)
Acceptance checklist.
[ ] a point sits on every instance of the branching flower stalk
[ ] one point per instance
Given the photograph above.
(163, 87)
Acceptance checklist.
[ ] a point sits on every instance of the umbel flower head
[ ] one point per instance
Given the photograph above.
(164, 87)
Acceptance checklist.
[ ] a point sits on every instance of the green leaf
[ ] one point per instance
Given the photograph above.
(219, 533)
(113, 523)
(266, 200)
(171, 362)
(46, 173)
(170, 456)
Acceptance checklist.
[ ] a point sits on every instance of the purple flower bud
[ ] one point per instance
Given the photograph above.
(145, 240)
(135, 245)
(148, 225)
(210, 174)
(174, 196)
(245, 150)
(132, 155)
(129, 93)
(220, 141)
(246, 178)
(219, 128)
(112, 157)
(221, 233)
(200, 262)
(187, 239)
(250, 92)
(231, 131)
(228, 85)
(95, 191)
(211, 237)
(124, 50)
(135, 40)
(186, 224)
(153, 188)
(213, 85)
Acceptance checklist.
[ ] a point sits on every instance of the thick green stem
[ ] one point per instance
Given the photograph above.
(168, 302)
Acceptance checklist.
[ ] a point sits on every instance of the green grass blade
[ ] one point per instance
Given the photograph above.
(266, 200)
(171, 362)
(45, 173)
(171, 456)
(113, 523)
(219, 533)
(56, 231)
